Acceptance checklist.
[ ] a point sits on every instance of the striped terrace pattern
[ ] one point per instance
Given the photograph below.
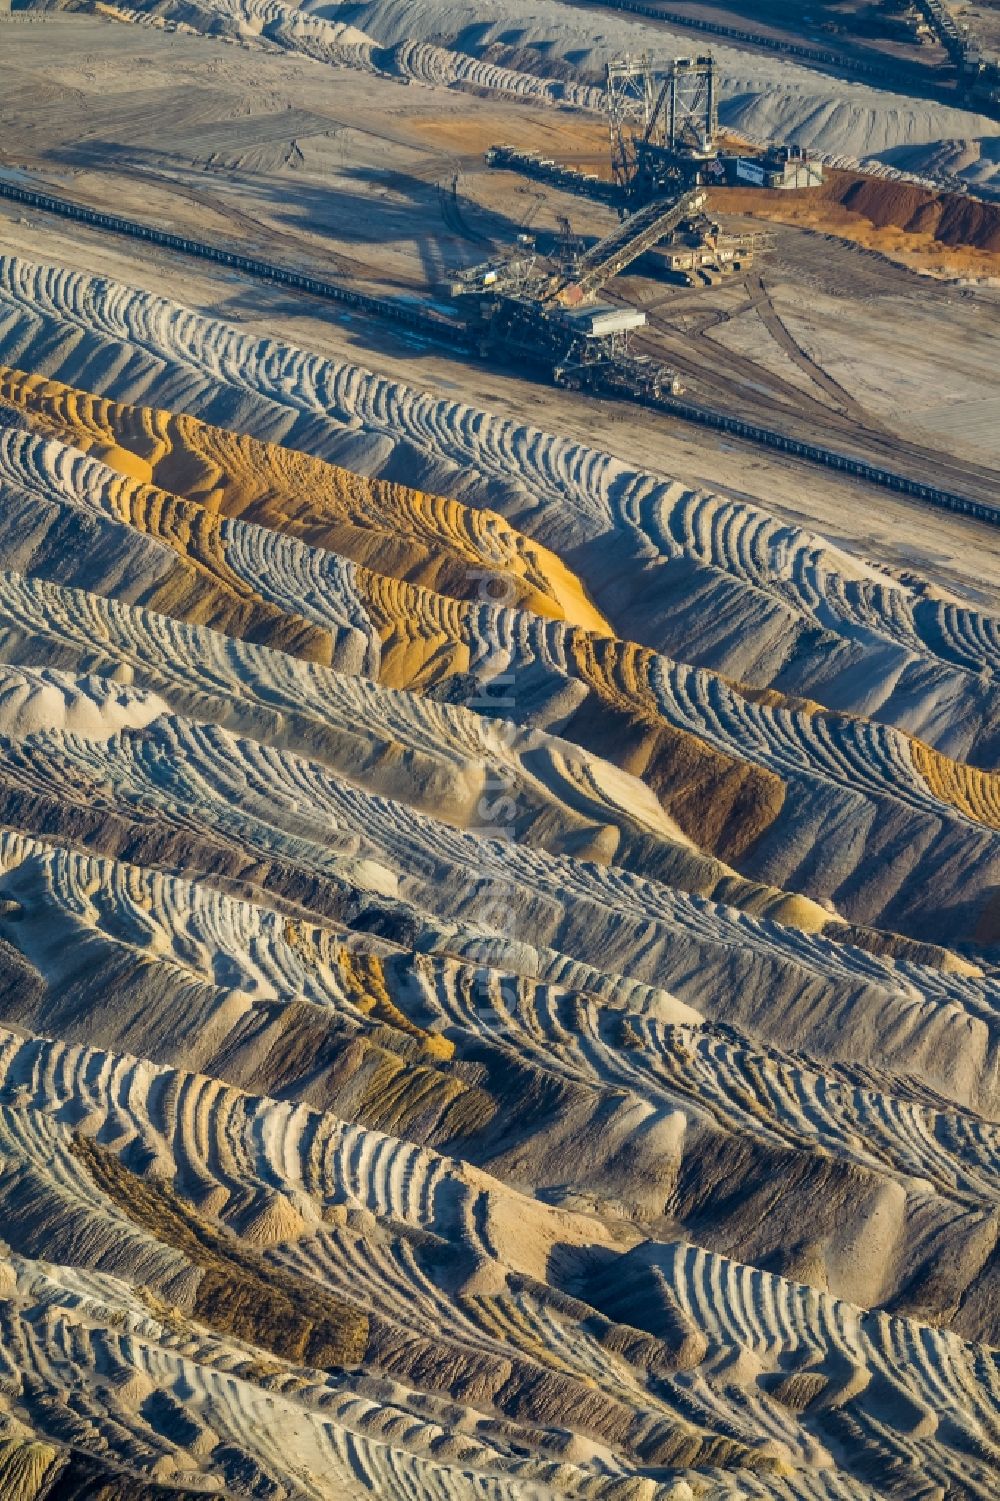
(499, 956)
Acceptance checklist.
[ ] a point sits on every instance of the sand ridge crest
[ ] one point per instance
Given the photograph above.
(520, 1047)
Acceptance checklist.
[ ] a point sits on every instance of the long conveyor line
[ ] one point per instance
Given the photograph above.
(433, 325)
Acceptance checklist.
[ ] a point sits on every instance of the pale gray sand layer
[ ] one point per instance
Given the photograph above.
(771, 99)
(349, 1149)
(395, 1100)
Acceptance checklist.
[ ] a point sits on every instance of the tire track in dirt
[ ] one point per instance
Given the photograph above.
(765, 309)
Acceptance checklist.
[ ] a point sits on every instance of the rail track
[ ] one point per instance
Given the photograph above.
(896, 76)
(446, 331)
(735, 382)
(395, 309)
(901, 77)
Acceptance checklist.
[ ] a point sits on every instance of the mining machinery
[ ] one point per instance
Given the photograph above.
(545, 311)
(978, 72)
(903, 19)
(569, 247)
(664, 138)
(586, 347)
(704, 254)
(574, 282)
(664, 133)
(665, 147)
(626, 243)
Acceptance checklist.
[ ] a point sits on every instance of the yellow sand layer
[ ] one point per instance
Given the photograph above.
(974, 792)
(422, 561)
(405, 533)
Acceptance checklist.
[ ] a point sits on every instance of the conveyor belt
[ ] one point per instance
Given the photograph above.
(628, 240)
(616, 381)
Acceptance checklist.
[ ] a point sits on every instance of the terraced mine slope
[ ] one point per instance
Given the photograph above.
(499, 954)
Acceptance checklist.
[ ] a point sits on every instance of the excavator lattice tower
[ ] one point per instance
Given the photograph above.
(660, 124)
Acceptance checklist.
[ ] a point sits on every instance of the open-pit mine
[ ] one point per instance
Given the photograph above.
(499, 751)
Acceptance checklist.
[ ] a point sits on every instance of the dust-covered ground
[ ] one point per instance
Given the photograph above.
(383, 185)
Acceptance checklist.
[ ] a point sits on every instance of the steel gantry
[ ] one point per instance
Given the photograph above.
(660, 123)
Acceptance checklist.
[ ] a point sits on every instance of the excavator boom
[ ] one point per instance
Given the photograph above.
(626, 242)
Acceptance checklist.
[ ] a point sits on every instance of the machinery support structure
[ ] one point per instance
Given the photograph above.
(689, 117)
(629, 86)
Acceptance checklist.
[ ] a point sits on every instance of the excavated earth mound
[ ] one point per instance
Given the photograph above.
(949, 218)
(498, 956)
(946, 233)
